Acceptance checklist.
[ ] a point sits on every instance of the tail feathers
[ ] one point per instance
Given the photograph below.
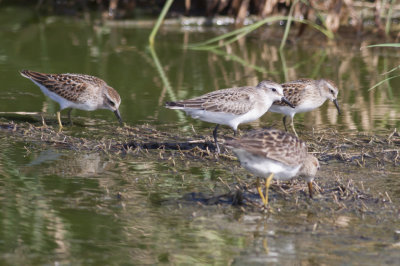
(174, 105)
(33, 75)
(231, 142)
(24, 73)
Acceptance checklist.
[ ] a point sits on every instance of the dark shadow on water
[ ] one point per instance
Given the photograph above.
(35, 118)
(235, 198)
(171, 145)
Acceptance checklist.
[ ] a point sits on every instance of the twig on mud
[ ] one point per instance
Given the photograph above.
(226, 184)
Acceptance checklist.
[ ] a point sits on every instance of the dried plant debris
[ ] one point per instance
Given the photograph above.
(363, 150)
(333, 13)
(333, 149)
(337, 196)
(358, 148)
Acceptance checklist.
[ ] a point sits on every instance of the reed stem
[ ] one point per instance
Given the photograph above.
(159, 21)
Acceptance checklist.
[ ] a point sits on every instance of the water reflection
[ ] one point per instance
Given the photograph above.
(87, 208)
(52, 162)
(132, 209)
(363, 110)
(119, 56)
(247, 62)
(68, 207)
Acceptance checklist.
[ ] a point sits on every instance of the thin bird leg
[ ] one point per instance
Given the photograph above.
(260, 191)
(44, 125)
(284, 122)
(69, 116)
(59, 120)
(310, 187)
(235, 132)
(215, 139)
(267, 183)
(292, 124)
(265, 245)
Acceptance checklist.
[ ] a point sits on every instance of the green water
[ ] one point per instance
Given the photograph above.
(70, 207)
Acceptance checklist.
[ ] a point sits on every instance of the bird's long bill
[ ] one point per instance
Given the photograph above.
(118, 115)
(287, 102)
(337, 105)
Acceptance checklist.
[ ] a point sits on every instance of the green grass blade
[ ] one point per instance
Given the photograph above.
(324, 23)
(241, 61)
(165, 81)
(287, 28)
(246, 29)
(329, 34)
(382, 81)
(390, 71)
(395, 45)
(239, 33)
(211, 47)
(389, 18)
(284, 65)
(221, 37)
(159, 21)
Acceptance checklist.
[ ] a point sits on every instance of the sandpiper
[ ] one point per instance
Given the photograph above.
(273, 153)
(232, 106)
(305, 95)
(77, 91)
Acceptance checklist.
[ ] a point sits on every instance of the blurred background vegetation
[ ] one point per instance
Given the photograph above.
(379, 16)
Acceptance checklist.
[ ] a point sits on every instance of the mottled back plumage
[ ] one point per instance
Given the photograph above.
(68, 86)
(229, 100)
(272, 144)
(77, 91)
(272, 153)
(294, 91)
(232, 106)
(298, 90)
(305, 95)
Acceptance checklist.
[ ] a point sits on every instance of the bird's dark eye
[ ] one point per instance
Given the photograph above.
(111, 103)
(273, 89)
(332, 91)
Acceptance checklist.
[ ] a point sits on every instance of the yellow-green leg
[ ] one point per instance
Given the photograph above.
(265, 245)
(267, 183)
(59, 120)
(44, 125)
(260, 191)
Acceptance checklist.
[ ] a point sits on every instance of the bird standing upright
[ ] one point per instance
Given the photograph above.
(232, 106)
(305, 95)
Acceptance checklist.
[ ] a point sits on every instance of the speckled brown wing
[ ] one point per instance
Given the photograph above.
(294, 91)
(234, 100)
(68, 86)
(273, 144)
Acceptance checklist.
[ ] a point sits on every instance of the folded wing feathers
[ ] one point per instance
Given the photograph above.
(272, 144)
(234, 100)
(69, 86)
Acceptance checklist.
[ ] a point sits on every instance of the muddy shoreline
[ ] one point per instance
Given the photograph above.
(360, 152)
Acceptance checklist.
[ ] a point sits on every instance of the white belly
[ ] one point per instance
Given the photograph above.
(228, 119)
(286, 110)
(64, 103)
(305, 106)
(263, 167)
(212, 117)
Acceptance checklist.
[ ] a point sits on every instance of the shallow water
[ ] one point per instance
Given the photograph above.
(75, 207)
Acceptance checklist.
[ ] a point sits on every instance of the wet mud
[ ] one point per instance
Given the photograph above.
(346, 158)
